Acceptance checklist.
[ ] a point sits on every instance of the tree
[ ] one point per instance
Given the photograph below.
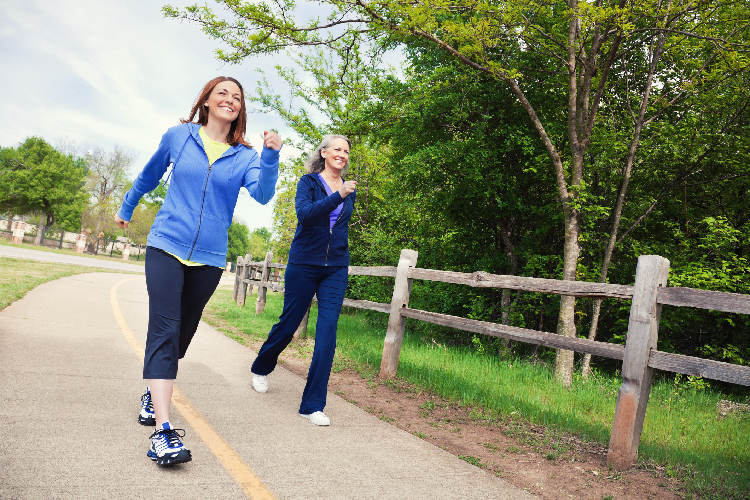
(239, 240)
(259, 243)
(141, 222)
(531, 47)
(37, 178)
(106, 183)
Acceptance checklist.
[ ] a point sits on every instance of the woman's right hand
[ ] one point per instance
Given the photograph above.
(347, 188)
(120, 222)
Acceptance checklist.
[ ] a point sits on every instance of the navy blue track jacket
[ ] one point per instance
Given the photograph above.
(315, 242)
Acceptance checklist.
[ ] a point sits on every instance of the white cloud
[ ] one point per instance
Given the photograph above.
(107, 72)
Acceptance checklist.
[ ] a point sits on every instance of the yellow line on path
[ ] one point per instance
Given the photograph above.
(250, 483)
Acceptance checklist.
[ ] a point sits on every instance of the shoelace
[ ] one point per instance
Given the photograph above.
(172, 436)
(146, 402)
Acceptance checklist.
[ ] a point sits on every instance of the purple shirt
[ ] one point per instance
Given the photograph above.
(337, 211)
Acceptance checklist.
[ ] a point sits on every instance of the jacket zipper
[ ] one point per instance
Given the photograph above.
(200, 219)
(203, 201)
(331, 229)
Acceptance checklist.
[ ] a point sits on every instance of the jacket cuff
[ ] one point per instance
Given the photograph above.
(270, 156)
(126, 210)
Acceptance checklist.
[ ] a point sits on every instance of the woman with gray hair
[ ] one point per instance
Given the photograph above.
(318, 264)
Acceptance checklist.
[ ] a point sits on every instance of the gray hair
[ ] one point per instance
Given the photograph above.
(316, 163)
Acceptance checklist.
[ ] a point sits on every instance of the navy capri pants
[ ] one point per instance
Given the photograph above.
(177, 295)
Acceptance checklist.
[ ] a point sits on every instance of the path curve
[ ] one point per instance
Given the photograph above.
(70, 386)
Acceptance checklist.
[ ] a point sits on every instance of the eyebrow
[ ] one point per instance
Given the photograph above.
(227, 90)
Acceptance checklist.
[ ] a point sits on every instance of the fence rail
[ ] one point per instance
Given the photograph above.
(639, 355)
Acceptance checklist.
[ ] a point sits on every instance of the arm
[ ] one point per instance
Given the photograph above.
(260, 179)
(261, 175)
(308, 210)
(146, 181)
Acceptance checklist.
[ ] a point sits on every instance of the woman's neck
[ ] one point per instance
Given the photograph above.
(332, 174)
(217, 132)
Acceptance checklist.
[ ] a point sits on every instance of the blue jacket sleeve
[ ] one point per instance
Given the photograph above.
(147, 180)
(261, 175)
(309, 210)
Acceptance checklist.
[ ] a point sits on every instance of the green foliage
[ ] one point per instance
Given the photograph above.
(106, 182)
(156, 197)
(259, 243)
(456, 153)
(34, 177)
(239, 241)
(141, 222)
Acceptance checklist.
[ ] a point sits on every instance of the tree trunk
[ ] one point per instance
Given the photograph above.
(620, 203)
(566, 318)
(40, 229)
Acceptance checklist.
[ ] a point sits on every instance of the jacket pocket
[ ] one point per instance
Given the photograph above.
(339, 243)
(181, 226)
(213, 236)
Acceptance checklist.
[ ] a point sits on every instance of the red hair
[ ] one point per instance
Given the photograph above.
(238, 127)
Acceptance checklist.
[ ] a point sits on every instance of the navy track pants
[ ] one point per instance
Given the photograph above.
(301, 283)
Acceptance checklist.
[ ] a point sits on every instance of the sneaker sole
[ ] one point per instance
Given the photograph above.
(181, 457)
(309, 417)
(151, 421)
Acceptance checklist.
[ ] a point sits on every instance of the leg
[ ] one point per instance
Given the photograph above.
(164, 280)
(200, 285)
(161, 396)
(300, 288)
(330, 297)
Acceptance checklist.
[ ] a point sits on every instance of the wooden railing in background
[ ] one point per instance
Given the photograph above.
(639, 355)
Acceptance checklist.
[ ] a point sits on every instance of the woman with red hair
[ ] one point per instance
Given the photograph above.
(187, 245)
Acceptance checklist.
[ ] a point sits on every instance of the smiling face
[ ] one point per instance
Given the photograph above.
(336, 155)
(224, 102)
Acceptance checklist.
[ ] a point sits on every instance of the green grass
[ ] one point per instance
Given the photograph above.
(18, 276)
(681, 432)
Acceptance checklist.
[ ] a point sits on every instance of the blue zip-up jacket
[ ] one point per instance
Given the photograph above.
(197, 211)
(315, 241)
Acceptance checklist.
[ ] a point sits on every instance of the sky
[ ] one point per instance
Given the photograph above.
(105, 73)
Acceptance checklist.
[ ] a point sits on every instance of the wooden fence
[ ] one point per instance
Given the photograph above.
(639, 355)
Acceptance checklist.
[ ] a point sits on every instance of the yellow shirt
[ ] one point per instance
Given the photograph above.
(213, 150)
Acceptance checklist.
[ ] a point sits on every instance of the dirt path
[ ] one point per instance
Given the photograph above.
(550, 465)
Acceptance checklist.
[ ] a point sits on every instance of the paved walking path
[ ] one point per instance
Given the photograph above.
(70, 387)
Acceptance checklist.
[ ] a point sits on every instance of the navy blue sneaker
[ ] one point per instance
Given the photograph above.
(146, 416)
(166, 447)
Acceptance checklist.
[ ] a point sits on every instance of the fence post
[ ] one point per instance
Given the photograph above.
(396, 323)
(81, 243)
(18, 231)
(249, 274)
(260, 305)
(242, 292)
(643, 331)
(252, 273)
(237, 278)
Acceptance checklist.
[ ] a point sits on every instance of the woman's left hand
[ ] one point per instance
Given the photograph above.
(271, 140)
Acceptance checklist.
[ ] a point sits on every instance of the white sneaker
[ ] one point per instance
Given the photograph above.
(318, 418)
(260, 383)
